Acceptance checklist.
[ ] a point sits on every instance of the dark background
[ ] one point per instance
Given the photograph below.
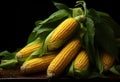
(17, 17)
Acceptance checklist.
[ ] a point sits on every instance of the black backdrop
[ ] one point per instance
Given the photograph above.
(18, 17)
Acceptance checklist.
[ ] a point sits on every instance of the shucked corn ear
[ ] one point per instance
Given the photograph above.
(64, 57)
(29, 48)
(107, 60)
(62, 33)
(37, 64)
(81, 62)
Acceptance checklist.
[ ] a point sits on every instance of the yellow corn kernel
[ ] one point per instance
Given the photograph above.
(37, 64)
(64, 57)
(27, 50)
(81, 61)
(107, 60)
(62, 33)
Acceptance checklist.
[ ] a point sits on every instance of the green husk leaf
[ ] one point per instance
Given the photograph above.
(98, 60)
(76, 12)
(97, 75)
(8, 63)
(38, 22)
(35, 54)
(32, 36)
(61, 6)
(70, 71)
(6, 55)
(82, 73)
(88, 38)
(113, 25)
(104, 34)
(58, 15)
(90, 30)
(103, 13)
(37, 40)
(115, 69)
(44, 48)
(92, 13)
(47, 25)
(38, 53)
(44, 33)
(111, 22)
(105, 38)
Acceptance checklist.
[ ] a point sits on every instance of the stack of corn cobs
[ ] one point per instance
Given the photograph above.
(76, 42)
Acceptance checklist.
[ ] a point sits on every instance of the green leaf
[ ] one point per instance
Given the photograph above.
(46, 26)
(103, 13)
(57, 16)
(105, 38)
(61, 6)
(82, 73)
(112, 24)
(96, 75)
(104, 34)
(8, 63)
(38, 22)
(90, 30)
(7, 55)
(94, 15)
(89, 38)
(115, 69)
(71, 70)
(98, 60)
(31, 37)
(34, 54)
(76, 12)
(43, 33)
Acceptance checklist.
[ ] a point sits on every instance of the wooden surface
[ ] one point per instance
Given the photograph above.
(16, 74)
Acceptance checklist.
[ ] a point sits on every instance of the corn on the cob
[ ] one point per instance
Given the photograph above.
(107, 60)
(37, 64)
(81, 61)
(62, 33)
(64, 57)
(28, 49)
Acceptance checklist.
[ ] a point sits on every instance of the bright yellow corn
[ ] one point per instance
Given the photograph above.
(64, 57)
(81, 61)
(37, 64)
(62, 33)
(28, 49)
(107, 60)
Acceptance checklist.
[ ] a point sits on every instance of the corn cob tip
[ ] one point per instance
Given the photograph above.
(50, 74)
(22, 69)
(18, 55)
